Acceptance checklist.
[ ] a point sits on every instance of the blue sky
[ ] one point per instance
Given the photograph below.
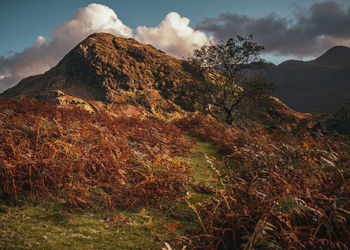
(36, 34)
(22, 21)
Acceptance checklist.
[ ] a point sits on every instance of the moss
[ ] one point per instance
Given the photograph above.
(46, 226)
(198, 162)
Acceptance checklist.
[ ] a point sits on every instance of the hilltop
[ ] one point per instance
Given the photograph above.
(336, 57)
(103, 70)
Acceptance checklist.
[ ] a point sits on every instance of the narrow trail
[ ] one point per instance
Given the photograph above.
(203, 174)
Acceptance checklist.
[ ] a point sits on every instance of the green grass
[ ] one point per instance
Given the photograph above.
(45, 225)
(203, 174)
(200, 167)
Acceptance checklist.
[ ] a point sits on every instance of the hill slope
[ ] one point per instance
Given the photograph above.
(320, 85)
(105, 69)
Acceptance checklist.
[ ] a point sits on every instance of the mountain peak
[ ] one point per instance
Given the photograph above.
(106, 42)
(110, 70)
(338, 56)
(337, 49)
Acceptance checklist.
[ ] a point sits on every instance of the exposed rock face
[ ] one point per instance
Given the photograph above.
(320, 85)
(112, 70)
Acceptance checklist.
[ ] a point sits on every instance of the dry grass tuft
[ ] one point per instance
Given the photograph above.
(280, 191)
(82, 159)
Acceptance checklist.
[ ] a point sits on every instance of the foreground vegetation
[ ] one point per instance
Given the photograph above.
(78, 158)
(45, 224)
(279, 190)
(73, 179)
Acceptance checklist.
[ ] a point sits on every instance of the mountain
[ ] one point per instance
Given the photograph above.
(122, 76)
(320, 85)
(338, 57)
(105, 71)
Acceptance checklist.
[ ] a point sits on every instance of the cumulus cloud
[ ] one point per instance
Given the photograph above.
(173, 35)
(44, 53)
(309, 33)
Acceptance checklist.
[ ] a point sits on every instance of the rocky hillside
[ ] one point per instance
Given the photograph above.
(320, 85)
(104, 71)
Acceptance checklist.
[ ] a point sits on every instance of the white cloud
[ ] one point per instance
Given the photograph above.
(45, 53)
(173, 35)
(41, 42)
(91, 19)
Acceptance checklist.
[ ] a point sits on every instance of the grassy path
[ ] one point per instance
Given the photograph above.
(202, 172)
(43, 225)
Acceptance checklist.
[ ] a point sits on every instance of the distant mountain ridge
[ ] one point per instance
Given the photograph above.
(320, 85)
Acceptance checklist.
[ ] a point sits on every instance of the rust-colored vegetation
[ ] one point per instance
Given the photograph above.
(273, 189)
(83, 159)
(280, 191)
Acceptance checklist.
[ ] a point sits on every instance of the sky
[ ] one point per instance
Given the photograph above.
(36, 34)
